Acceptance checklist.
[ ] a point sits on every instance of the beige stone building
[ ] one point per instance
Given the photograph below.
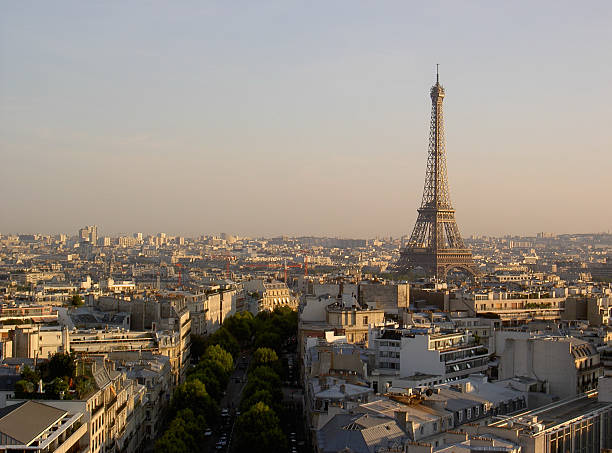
(38, 343)
(592, 308)
(391, 297)
(353, 322)
(271, 294)
(113, 409)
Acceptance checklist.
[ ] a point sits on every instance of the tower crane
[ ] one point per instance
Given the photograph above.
(227, 259)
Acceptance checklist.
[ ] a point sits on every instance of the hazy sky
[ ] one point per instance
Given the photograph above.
(310, 117)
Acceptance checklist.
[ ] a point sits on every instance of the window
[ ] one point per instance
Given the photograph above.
(365, 320)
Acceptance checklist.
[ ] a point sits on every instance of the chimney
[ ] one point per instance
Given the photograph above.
(401, 417)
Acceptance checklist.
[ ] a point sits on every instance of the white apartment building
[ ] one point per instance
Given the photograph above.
(404, 353)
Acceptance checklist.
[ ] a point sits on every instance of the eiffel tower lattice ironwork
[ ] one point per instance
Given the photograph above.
(436, 244)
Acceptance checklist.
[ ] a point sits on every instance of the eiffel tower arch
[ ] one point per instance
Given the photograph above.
(436, 244)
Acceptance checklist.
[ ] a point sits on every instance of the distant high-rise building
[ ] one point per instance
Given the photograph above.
(436, 244)
(89, 234)
(138, 237)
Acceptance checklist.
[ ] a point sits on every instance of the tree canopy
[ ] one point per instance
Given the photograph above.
(184, 435)
(193, 395)
(241, 326)
(260, 431)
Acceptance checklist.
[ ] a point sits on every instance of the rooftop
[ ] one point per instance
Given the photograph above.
(25, 421)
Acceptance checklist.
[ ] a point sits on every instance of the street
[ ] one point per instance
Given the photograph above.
(222, 434)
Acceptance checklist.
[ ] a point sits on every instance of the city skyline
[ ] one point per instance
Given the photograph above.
(285, 119)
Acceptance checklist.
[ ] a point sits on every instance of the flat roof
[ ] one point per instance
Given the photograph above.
(25, 422)
(559, 414)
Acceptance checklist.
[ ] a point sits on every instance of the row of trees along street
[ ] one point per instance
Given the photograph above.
(195, 403)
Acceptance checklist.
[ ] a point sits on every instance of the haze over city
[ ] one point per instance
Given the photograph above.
(302, 118)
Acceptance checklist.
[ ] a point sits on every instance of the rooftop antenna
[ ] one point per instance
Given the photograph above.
(437, 73)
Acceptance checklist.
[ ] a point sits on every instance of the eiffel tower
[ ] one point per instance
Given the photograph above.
(436, 244)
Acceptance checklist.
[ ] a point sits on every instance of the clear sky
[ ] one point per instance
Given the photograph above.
(309, 117)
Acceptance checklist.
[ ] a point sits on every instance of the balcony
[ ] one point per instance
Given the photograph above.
(466, 353)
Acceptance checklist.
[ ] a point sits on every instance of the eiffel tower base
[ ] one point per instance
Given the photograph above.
(437, 264)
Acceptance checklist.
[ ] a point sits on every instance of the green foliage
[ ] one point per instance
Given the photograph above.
(56, 389)
(265, 374)
(263, 356)
(207, 376)
(226, 340)
(193, 395)
(198, 346)
(83, 385)
(185, 434)
(30, 375)
(60, 365)
(241, 326)
(264, 396)
(214, 370)
(76, 300)
(538, 305)
(268, 357)
(270, 340)
(273, 329)
(258, 431)
(23, 388)
(216, 353)
(263, 378)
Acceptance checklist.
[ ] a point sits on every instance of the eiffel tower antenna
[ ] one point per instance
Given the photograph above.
(436, 245)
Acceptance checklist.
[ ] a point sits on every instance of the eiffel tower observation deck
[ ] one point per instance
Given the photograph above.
(436, 245)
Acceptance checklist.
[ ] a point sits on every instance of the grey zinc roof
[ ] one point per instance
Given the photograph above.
(25, 422)
(360, 433)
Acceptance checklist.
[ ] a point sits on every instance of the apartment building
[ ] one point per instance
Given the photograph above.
(592, 308)
(404, 352)
(511, 308)
(568, 365)
(37, 427)
(579, 424)
(353, 321)
(155, 374)
(113, 409)
(34, 342)
(271, 294)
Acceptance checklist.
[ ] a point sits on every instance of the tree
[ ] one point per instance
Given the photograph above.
(61, 365)
(264, 356)
(185, 434)
(226, 340)
(193, 395)
(23, 388)
(210, 380)
(76, 300)
(56, 389)
(83, 386)
(264, 396)
(198, 346)
(259, 431)
(217, 354)
(263, 378)
(269, 340)
(30, 375)
(241, 326)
